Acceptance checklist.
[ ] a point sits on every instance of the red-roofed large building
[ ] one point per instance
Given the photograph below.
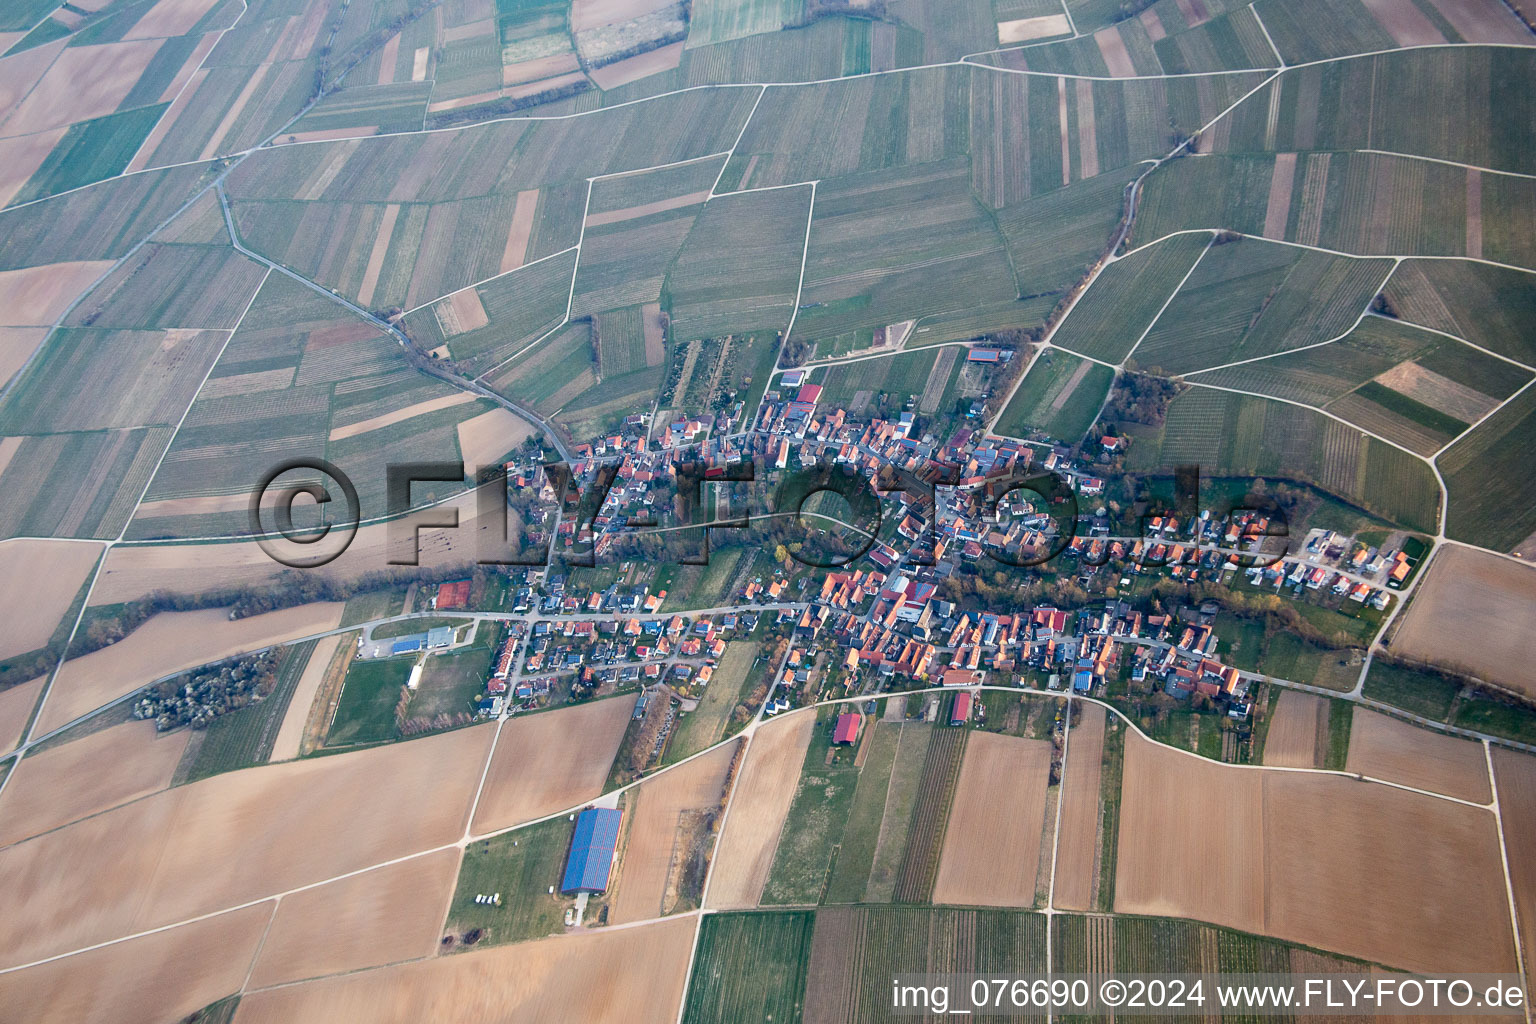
(809, 394)
(847, 728)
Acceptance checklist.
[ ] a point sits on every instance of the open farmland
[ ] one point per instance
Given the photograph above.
(930, 816)
(1493, 307)
(855, 950)
(750, 830)
(1386, 748)
(166, 975)
(170, 642)
(547, 762)
(888, 246)
(1060, 397)
(636, 973)
(273, 828)
(858, 385)
(1077, 851)
(16, 706)
(1485, 472)
(1233, 434)
(670, 832)
(750, 966)
(381, 916)
(56, 786)
(1251, 298)
(1437, 895)
(1515, 778)
(1124, 301)
(1298, 731)
(54, 572)
(1474, 612)
(992, 847)
(739, 267)
(708, 723)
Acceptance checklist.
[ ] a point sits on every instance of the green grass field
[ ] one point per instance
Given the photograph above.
(366, 713)
(1493, 307)
(1124, 299)
(452, 679)
(1060, 397)
(861, 831)
(750, 966)
(1487, 474)
(856, 384)
(521, 865)
(817, 817)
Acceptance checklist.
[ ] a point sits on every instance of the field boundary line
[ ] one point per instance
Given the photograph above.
(1482, 419)
(488, 280)
(581, 237)
(1457, 337)
(1166, 303)
(693, 947)
(1304, 405)
(1509, 884)
(1396, 261)
(1254, 7)
(1405, 257)
(731, 153)
(662, 167)
(261, 943)
(805, 251)
(1448, 163)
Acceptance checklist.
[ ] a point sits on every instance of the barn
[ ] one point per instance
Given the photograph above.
(592, 846)
(847, 728)
(960, 711)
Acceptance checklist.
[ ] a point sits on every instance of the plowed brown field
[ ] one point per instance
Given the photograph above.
(764, 792)
(992, 845)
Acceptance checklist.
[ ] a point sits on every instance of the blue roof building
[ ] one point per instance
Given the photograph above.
(408, 645)
(1082, 680)
(592, 846)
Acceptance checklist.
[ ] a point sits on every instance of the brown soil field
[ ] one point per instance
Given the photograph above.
(646, 209)
(20, 72)
(550, 761)
(330, 135)
(654, 850)
(162, 128)
(198, 505)
(134, 572)
(1515, 775)
(1278, 209)
(1153, 24)
(170, 18)
(764, 791)
(232, 839)
(1116, 57)
(1022, 30)
(654, 327)
(1087, 140)
(85, 82)
(1385, 748)
(388, 58)
(484, 439)
(178, 84)
(1437, 391)
(16, 706)
(540, 68)
(1389, 876)
(1474, 213)
(380, 917)
(16, 346)
(1298, 726)
(590, 14)
(400, 415)
(1077, 848)
(516, 252)
(1474, 611)
(632, 69)
(290, 734)
(170, 642)
(87, 776)
(419, 63)
(1484, 21)
(53, 572)
(634, 975)
(462, 311)
(458, 33)
(1405, 23)
(252, 86)
(20, 158)
(992, 844)
(376, 257)
(37, 296)
(160, 977)
(1191, 840)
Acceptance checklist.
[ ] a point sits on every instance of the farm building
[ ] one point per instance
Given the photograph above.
(960, 710)
(592, 846)
(847, 728)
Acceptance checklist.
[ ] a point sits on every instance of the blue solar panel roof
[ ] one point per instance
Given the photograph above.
(597, 833)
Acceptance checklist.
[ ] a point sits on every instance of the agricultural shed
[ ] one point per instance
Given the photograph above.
(960, 711)
(847, 728)
(592, 846)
